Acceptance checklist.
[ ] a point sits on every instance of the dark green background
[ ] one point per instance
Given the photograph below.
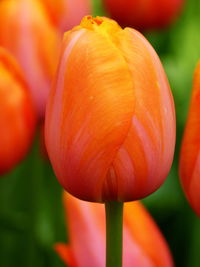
(31, 212)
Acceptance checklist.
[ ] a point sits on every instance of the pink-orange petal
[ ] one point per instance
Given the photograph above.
(95, 112)
(66, 254)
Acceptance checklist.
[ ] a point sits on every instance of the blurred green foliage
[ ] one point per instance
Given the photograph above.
(31, 212)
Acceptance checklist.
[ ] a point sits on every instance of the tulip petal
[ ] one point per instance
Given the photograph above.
(94, 114)
(190, 148)
(141, 227)
(194, 186)
(66, 14)
(17, 115)
(143, 244)
(26, 31)
(145, 158)
(86, 230)
(66, 254)
(144, 14)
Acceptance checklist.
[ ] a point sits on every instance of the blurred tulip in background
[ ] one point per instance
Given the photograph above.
(17, 115)
(26, 30)
(66, 14)
(144, 15)
(144, 245)
(190, 149)
(110, 132)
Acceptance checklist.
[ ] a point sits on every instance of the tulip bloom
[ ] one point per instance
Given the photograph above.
(144, 15)
(144, 245)
(27, 32)
(110, 122)
(17, 116)
(66, 14)
(190, 149)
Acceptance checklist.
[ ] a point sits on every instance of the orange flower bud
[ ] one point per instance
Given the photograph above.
(66, 14)
(144, 15)
(190, 150)
(110, 124)
(17, 117)
(143, 243)
(27, 32)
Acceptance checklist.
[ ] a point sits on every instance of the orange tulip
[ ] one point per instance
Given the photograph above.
(27, 32)
(190, 149)
(110, 124)
(17, 116)
(144, 245)
(144, 15)
(66, 14)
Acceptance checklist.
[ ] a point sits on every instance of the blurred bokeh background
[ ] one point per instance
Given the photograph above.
(31, 211)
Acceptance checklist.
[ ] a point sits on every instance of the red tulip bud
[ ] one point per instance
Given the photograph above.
(25, 29)
(144, 15)
(17, 116)
(190, 149)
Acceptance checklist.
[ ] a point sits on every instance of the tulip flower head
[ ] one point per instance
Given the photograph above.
(66, 14)
(144, 15)
(27, 32)
(17, 116)
(110, 124)
(144, 244)
(190, 150)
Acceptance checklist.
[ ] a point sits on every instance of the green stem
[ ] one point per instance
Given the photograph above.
(114, 223)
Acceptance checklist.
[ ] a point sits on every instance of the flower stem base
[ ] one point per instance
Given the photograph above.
(114, 229)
